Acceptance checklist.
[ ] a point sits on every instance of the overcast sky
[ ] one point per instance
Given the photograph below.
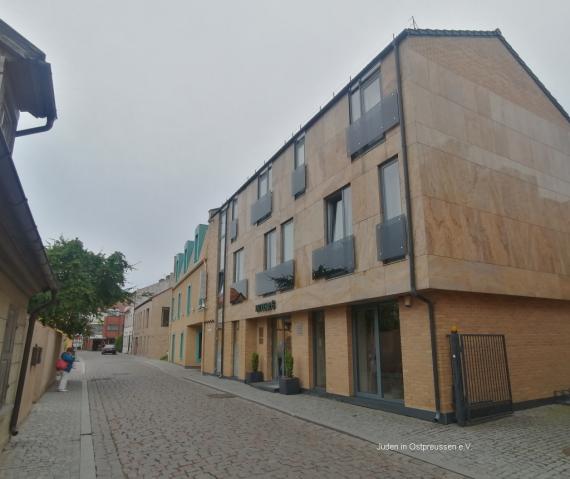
(166, 107)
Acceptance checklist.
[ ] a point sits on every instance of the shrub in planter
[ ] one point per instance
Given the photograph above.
(287, 383)
(254, 376)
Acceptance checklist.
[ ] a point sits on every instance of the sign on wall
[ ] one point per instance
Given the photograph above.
(263, 307)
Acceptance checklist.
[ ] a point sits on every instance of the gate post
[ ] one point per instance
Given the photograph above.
(456, 369)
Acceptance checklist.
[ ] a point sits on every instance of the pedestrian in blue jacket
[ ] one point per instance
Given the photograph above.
(68, 357)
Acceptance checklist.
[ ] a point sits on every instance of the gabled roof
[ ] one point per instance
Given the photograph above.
(398, 39)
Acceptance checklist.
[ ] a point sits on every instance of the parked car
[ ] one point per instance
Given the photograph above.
(109, 349)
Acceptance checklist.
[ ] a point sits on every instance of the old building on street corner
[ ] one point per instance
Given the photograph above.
(25, 86)
(430, 195)
(151, 320)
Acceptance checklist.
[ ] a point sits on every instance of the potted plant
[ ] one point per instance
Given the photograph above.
(287, 383)
(254, 376)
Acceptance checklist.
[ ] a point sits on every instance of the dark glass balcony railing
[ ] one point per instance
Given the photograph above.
(261, 209)
(238, 291)
(373, 124)
(298, 180)
(334, 259)
(391, 239)
(278, 278)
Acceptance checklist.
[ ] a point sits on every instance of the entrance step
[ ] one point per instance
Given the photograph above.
(269, 386)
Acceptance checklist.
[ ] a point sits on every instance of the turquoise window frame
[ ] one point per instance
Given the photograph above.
(188, 299)
(181, 350)
(179, 303)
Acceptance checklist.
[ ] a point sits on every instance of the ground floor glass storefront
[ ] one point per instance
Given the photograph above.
(377, 351)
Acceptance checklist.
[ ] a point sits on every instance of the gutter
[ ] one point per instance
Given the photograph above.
(410, 236)
(38, 129)
(25, 360)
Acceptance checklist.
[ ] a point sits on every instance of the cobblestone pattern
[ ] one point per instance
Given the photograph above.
(534, 443)
(107, 465)
(48, 443)
(164, 427)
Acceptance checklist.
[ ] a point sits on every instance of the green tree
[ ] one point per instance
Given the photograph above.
(88, 284)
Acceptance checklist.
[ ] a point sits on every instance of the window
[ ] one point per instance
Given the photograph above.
(264, 183)
(339, 215)
(181, 350)
(179, 302)
(234, 209)
(300, 152)
(364, 96)
(287, 239)
(239, 266)
(188, 300)
(113, 327)
(164, 317)
(270, 249)
(390, 190)
(172, 310)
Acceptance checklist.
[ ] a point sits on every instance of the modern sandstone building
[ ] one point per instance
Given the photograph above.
(25, 86)
(432, 192)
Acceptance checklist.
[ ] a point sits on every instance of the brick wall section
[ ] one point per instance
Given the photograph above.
(416, 356)
(537, 334)
(301, 347)
(208, 348)
(338, 338)
(249, 330)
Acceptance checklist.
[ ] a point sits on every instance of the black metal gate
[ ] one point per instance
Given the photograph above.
(481, 383)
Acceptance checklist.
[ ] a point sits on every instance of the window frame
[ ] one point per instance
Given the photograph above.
(298, 142)
(289, 222)
(358, 87)
(165, 309)
(345, 194)
(233, 208)
(272, 232)
(265, 173)
(241, 254)
(381, 185)
(188, 299)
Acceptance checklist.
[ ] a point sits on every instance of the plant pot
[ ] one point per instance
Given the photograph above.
(253, 377)
(289, 385)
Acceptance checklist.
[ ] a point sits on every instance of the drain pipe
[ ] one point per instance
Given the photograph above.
(38, 129)
(410, 237)
(25, 359)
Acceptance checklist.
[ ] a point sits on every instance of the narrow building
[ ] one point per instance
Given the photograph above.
(25, 86)
(188, 302)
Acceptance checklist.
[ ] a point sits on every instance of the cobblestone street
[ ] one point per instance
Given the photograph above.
(150, 424)
(152, 419)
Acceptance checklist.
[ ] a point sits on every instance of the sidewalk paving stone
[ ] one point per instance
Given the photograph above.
(527, 444)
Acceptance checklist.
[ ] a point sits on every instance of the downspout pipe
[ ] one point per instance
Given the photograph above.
(410, 237)
(25, 360)
(38, 129)
(221, 372)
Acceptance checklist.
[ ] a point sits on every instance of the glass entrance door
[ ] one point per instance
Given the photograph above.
(319, 356)
(280, 342)
(378, 351)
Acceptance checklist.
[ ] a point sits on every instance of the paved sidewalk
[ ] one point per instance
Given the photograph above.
(534, 443)
(48, 444)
